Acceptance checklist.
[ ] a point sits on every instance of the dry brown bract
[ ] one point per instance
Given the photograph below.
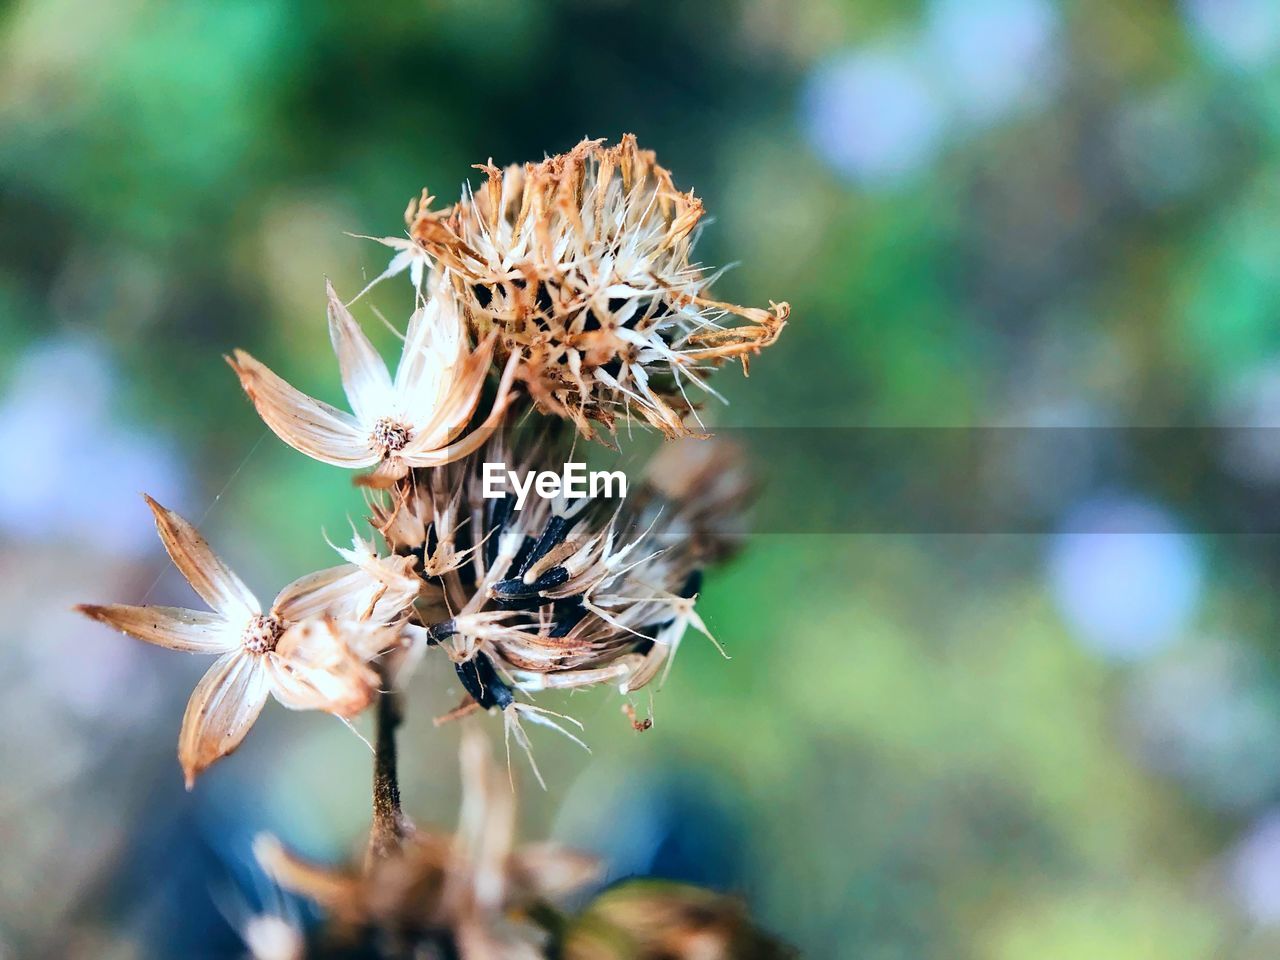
(582, 264)
(470, 891)
(310, 650)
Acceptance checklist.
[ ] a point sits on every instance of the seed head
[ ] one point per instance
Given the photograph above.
(563, 593)
(582, 264)
(261, 634)
(390, 435)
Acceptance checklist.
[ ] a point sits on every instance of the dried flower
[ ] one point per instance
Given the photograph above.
(471, 894)
(559, 595)
(416, 420)
(576, 275)
(299, 651)
(582, 264)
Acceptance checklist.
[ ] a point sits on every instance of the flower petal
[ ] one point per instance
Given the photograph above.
(308, 425)
(425, 455)
(411, 257)
(368, 588)
(329, 888)
(314, 667)
(453, 407)
(433, 344)
(487, 821)
(364, 373)
(192, 631)
(207, 574)
(223, 707)
(314, 594)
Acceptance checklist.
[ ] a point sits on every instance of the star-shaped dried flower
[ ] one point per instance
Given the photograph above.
(417, 419)
(308, 650)
(582, 263)
(470, 894)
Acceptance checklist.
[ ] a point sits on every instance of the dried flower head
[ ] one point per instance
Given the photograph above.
(417, 419)
(561, 594)
(310, 649)
(470, 895)
(582, 264)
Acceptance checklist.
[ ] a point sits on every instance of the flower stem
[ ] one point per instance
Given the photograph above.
(388, 820)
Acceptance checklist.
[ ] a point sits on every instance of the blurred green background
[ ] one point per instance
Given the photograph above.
(983, 212)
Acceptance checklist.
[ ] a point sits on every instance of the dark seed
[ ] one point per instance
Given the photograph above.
(441, 631)
(568, 614)
(482, 683)
(552, 534)
(514, 588)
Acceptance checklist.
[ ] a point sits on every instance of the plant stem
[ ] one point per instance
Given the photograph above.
(388, 821)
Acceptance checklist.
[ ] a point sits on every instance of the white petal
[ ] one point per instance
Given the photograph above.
(465, 383)
(192, 631)
(308, 425)
(364, 374)
(314, 667)
(378, 589)
(432, 344)
(207, 574)
(223, 707)
(434, 448)
(410, 257)
(336, 591)
(316, 593)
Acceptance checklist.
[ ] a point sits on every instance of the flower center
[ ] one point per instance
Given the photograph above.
(261, 634)
(390, 435)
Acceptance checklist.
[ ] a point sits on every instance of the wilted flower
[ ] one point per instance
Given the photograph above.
(470, 895)
(310, 650)
(581, 263)
(416, 419)
(560, 594)
(575, 274)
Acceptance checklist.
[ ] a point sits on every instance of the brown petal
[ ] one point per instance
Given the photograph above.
(193, 631)
(486, 826)
(207, 574)
(329, 888)
(455, 402)
(316, 666)
(308, 425)
(456, 450)
(223, 707)
(314, 594)
(378, 590)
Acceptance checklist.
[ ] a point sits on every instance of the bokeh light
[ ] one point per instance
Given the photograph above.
(1124, 577)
